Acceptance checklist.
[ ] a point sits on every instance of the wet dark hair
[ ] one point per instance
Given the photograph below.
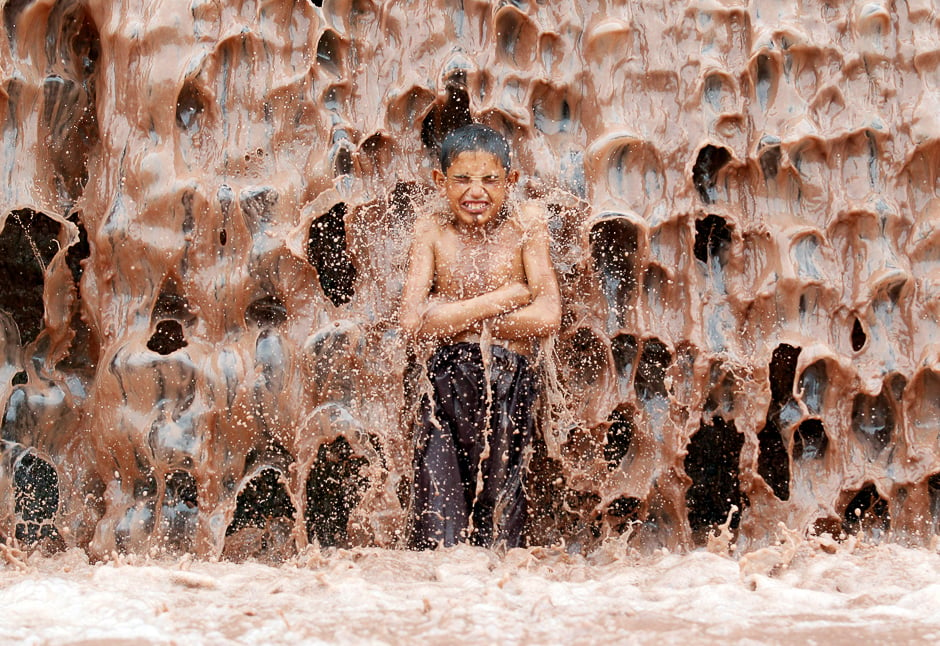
(474, 137)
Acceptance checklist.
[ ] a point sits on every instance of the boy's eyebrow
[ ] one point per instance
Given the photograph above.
(464, 176)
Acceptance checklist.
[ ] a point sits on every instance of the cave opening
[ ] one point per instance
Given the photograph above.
(449, 115)
(810, 441)
(84, 349)
(335, 486)
(263, 519)
(873, 421)
(36, 499)
(858, 336)
(171, 303)
(11, 12)
(266, 312)
(765, 79)
(327, 252)
(167, 337)
(624, 512)
(867, 513)
(170, 311)
(708, 163)
(342, 156)
(770, 155)
(712, 463)
(190, 104)
(812, 386)
(783, 373)
(618, 438)
(624, 349)
(402, 200)
(712, 240)
(614, 244)
(330, 49)
(773, 461)
(79, 250)
(180, 510)
(650, 380)
(28, 242)
(69, 115)
(933, 493)
(545, 485)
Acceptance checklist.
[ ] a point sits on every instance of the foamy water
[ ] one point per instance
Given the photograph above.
(797, 592)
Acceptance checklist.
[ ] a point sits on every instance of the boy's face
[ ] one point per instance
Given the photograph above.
(475, 186)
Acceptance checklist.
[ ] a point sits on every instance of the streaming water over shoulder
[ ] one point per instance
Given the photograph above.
(206, 209)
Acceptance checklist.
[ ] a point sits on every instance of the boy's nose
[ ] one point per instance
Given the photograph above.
(482, 185)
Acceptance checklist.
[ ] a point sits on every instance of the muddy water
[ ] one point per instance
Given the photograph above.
(796, 592)
(206, 208)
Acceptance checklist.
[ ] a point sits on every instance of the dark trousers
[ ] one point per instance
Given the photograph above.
(471, 449)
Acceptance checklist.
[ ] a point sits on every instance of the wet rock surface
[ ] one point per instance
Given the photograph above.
(206, 209)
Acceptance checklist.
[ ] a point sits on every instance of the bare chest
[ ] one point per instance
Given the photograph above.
(469, 266)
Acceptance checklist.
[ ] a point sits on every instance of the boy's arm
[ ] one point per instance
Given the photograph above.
(418, 280)
(542, 317)
(448, 319)
(418, 317)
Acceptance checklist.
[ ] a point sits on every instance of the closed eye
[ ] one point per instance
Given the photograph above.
(466, 180)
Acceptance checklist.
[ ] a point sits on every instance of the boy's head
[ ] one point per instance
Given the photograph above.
(474, 136)
(475, 174)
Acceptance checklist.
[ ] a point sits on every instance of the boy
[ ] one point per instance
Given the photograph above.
(481, 287)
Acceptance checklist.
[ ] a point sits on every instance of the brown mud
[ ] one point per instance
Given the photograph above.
(206, 208)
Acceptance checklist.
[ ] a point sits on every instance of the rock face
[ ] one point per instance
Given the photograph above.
(206, 210)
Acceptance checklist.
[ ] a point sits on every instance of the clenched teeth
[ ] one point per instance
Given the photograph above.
(475, 206)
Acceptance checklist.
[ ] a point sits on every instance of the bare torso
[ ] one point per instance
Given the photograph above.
(469, 282)
(471, 264)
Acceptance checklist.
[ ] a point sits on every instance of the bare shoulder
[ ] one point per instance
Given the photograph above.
(532, 217)
(428, 227)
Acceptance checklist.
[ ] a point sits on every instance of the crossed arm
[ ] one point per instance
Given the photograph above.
(514, 311)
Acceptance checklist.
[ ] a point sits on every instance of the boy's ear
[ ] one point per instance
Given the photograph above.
(513, 176)
(439, 178)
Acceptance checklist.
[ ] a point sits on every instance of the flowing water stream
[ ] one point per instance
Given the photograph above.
(206, 210)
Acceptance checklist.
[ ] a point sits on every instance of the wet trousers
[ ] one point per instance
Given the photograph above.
(471, 448)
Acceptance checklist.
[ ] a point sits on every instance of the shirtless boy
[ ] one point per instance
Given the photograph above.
(482, 289)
